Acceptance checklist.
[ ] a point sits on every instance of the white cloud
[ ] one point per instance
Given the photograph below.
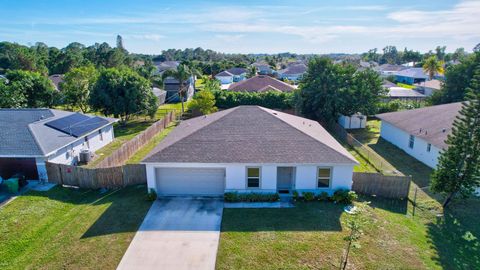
(229, 38)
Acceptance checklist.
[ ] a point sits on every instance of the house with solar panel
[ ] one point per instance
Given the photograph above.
(30, 137)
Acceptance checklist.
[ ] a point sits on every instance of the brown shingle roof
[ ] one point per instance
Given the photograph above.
(259, 84)
(433, 124)
(250, 134)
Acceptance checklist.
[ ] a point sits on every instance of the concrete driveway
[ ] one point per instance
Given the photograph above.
(177, 233)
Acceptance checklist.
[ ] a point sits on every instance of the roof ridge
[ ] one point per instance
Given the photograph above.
(194, 132)
(349, 156)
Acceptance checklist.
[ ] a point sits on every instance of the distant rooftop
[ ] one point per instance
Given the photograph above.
(261, 83)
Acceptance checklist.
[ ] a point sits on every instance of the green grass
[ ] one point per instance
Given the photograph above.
(408, 86)
(69, 228)
(132, 129)
(142, 152)
(310, 236)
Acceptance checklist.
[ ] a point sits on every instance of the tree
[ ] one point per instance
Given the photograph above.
(211, 84)
(120, 42)
(371, 55)
(433, 66)
(457, 79)
(183, 73)
(476, 48)
(459, 54)
(204, 102)
(458, 169)
(36, 89)
(122, 93)
(390, 55)
(252, 71)
(328, 90)
(78, 84)
(11, 97)
(411, 56)
(440, 52)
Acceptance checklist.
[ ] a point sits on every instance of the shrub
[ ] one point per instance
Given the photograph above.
(295, 195)
(323, 196)
(251, 197)
(308, 196)
(269, 99)
(151, 195)
(344, 196)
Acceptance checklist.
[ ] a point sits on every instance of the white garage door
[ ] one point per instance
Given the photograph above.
(190, 181)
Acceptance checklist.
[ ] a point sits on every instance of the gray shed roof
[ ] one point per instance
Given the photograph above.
(433, 124)
(250, 134)
(412, 73)
(23, 132)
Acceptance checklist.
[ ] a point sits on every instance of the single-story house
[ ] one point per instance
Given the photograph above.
(386, 70)
(248, 149)
(57, 80)
(429, 87)
(166, 65)
(411, 76)
(232, 75)
(401, 93)
(261, 83)
(293, 72)
(421, 133)
(172, 86)
(29, 137)
(263, 68)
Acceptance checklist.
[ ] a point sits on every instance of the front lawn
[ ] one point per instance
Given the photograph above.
(69, 228)
(310, 236)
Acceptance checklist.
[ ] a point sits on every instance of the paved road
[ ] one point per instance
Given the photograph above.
(177, 233)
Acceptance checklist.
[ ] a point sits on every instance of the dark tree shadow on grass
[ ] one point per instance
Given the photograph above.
(311, 216)
(456, 236)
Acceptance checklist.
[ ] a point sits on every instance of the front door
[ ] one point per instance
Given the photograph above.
(285, 179)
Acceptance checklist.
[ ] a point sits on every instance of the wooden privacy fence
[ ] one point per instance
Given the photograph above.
(112, 177)
(388, 186)
(128, 149)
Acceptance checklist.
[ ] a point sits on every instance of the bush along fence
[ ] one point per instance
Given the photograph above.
(366, 152)
(128, 149)
(387, 186)
(113, 177)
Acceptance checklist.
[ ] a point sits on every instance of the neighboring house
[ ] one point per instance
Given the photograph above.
(57, 80)
(232, 75)
(386, 70)
(429, 87)
(263, 68)
(421, 133)
(293, 72)
(160, 94)
(411, 76)
(261, 83)
(172, 86)
(166, 65)
(248, 149)
(405, 94)
(354, 121)
(29, 137)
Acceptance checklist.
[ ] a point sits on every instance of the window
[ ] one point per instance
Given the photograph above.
(101, 135)
(411, 142)
(253, 177)
(323, 177)
(429, 147)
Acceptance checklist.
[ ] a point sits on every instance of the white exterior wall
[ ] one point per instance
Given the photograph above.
(351, 122)
(224, 79)
(401, 139)
(305, 178)
(94, 143)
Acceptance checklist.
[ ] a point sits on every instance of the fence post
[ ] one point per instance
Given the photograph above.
(414, 201)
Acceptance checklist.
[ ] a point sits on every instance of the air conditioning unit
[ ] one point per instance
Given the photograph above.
(85, 156)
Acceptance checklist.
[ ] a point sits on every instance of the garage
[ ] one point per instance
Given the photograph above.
(190, 181)
(25, 166)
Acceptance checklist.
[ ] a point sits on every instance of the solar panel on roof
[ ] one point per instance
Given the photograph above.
(77, 124)
(87, 126)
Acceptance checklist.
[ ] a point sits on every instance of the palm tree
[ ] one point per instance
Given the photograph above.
(433, 66)
(182, 74)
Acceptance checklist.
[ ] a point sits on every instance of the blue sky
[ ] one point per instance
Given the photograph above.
(301, 26)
